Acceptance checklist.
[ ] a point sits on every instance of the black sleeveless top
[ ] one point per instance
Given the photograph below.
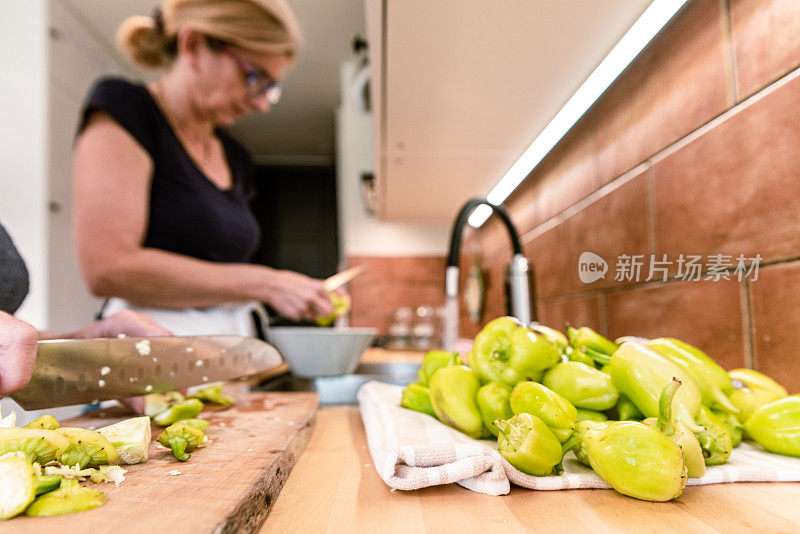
(188, 213)
(13, 275)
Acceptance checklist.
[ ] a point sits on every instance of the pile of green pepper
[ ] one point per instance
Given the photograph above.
(644, 414)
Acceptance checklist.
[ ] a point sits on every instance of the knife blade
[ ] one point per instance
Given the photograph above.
(80, 371)
(339, 279)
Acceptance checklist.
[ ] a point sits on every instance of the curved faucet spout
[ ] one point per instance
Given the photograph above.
(519, 282)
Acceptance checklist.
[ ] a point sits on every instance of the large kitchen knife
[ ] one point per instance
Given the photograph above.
(79, 371)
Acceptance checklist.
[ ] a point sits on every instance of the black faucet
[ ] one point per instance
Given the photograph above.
(520, 292)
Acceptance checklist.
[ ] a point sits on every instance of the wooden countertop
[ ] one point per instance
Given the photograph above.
(334, 488)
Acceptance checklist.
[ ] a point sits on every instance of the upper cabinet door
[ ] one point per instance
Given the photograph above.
(460, 89)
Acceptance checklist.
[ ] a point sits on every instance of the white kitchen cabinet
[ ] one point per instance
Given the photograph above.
(460, 89)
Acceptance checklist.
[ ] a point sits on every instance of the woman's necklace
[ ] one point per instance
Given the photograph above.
(204, 140)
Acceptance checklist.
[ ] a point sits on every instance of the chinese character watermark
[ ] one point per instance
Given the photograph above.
(686, 267)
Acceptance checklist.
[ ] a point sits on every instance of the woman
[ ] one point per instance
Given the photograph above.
(161, 192)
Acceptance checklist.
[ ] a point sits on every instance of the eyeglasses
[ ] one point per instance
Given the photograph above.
(258, 83)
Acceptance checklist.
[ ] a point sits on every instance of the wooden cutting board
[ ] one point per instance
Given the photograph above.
(228, 486)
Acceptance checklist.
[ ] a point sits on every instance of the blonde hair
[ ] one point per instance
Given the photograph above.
(261, 26)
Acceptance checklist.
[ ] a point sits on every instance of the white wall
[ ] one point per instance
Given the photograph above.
(77, 58)
(361, 234)
(23, 144)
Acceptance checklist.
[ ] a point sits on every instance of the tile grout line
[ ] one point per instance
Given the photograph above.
(747, 326)
(650, 199)
(603, 311)
(725, 6)
(658, 156)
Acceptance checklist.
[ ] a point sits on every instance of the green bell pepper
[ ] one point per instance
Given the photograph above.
(586, 337)
(556, 411)
(776, 426)
(583, 386)
(715, 438)
(528, 444)
(590, 415)
(713, 380)
(627, 410)
(634, 459)
(454, 392)
(509, 351)
(641, 374)
(677, 432)
(433, 361)
(580, 355)
(493, 404)
(752, 390)
(731, 422)
(553, 336)
(418, 398)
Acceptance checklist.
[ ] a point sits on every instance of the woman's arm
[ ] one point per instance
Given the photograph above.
(112, 175)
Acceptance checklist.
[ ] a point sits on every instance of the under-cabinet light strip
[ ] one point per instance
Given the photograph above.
(635, 39)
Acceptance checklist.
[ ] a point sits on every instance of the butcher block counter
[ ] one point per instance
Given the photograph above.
(334, 488)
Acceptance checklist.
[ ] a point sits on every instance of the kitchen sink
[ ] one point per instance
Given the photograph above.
(342, 389)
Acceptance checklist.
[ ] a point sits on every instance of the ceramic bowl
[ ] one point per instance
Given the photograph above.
(312, 351)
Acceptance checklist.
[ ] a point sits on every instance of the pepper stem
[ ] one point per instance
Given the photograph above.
(572, 443)
(664, 423)
(599, 357)
(178, 445)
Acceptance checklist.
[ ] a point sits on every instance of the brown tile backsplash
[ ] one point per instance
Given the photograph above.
(580, 311)
(775, 320)
(393, 282)
(705, 314)
(765, 43)
(735, 189)
(676, 85)
(614, 225)
(547, 253)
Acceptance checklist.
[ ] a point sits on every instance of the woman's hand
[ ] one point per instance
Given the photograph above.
(127, 322)
(297, 296)
(17, 353)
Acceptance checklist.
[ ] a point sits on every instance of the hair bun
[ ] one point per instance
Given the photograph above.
(143, 41)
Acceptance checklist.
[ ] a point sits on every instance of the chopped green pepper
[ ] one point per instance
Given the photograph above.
(66, 500)
(182, 439)
(185, 409)
(213, 395)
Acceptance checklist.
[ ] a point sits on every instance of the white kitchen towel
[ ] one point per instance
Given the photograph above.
(412, 450)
